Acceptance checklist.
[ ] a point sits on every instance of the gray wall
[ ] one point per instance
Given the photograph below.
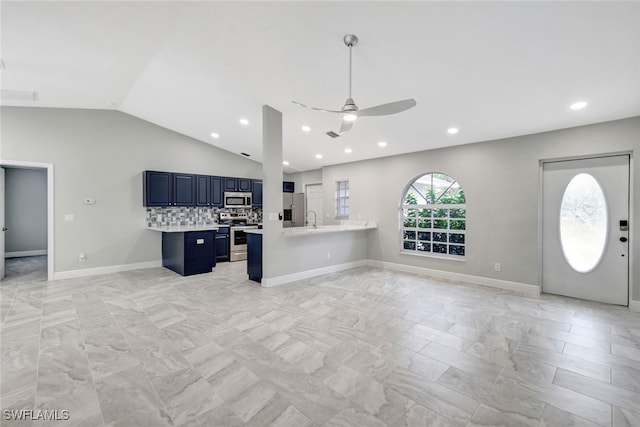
(501, 182)
(25, 209)
(101, 154)
(303, 178)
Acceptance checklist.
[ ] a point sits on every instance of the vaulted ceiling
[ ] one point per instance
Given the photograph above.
(490, 69)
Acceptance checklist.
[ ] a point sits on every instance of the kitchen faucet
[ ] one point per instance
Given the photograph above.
(315, 218)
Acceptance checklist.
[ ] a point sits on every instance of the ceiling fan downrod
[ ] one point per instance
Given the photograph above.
(350, 40)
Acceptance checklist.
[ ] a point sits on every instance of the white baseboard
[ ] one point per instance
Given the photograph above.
(20, 254)
(288, 278)
(466, 278)
(634, 306)
(105, 270)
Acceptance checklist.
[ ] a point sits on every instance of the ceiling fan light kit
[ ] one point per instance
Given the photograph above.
(350, 111)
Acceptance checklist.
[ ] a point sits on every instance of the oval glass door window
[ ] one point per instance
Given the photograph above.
(583, 223)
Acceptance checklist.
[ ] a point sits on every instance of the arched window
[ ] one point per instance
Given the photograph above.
(433, 217)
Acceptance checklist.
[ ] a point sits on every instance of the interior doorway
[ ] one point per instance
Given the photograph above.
(315, 202)
(26, 214)
(585, 228)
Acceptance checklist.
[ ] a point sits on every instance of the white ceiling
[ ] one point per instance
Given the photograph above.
(492, 69)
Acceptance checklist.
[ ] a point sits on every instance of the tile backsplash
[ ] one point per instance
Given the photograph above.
(191, 216)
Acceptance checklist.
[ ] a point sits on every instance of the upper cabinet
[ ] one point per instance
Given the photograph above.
(217, 193)
(183, 189)
(237, 184)
(256, 194)
(203, 190)
(168, 189)
(157, 188)
(209, 191)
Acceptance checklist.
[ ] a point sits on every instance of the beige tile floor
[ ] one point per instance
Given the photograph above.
(365, 347)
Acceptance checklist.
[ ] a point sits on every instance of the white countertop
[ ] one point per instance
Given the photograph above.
(323, 229)
(185, 228)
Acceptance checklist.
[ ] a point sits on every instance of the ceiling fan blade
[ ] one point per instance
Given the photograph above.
(314, 108)
(390, 108)
(345, 126)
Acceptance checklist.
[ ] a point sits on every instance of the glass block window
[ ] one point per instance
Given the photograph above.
(433, 217)
(342, 199)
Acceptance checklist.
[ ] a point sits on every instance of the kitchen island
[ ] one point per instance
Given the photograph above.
(323, 229)
(254, 254)
(188, 250)
(254, 240)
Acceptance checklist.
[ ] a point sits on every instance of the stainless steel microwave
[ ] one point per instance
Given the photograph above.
(237, 200)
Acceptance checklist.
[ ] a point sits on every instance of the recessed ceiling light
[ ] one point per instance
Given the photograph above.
(306, 128)
(284, 162)
(215, 135)
(382, 144)
(244, 122)
(578, 105)
(318, 156)
(452, 131)
(348, 150)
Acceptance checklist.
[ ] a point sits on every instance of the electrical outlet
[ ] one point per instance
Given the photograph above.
(89, 201)
(497, 266)
(82, 257)
(69, 217)
(328, 255)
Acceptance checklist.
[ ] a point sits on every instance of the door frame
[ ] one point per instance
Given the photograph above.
(50, 216)
(632, 303)
(306, 192)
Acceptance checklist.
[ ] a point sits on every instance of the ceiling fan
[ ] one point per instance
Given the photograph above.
(350, 111)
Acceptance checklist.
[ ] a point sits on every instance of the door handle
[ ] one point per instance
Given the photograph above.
(623, 239)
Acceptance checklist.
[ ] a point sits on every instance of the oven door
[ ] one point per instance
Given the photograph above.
(238, 239)
(238, 245)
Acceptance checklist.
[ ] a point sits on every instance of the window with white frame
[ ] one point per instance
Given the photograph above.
(433, 217)
(342, 199)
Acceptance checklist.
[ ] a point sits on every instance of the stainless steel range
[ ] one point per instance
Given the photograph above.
(238, 237)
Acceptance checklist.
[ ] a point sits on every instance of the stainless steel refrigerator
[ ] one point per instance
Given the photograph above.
(293, 210)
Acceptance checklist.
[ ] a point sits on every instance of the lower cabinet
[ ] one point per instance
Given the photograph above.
(189, 252)
(254, 257)
(222, 244)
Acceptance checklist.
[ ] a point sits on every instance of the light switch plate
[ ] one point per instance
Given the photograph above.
(69, 217)
(89, 201)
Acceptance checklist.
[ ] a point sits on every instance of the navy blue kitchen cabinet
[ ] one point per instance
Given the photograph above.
(217, 193)
(254, 257)
(244, 184)
(190, 252)
(230, 184)
(168, 189)
(256, 194)
(203, 190)
(222, 244)
(184, 189)
(157, 188)
(237, 184)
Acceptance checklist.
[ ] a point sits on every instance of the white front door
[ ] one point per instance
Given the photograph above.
(2, 226)
(585, 213)
(314, 202)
